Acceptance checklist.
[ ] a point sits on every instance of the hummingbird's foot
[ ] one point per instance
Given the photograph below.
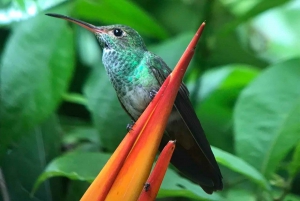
(130, 125)
(152, 94)
(146, 186)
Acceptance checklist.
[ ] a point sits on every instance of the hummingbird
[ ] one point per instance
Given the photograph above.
(136, 75)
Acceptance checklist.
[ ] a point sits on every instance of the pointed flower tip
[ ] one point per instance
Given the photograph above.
(155, 179)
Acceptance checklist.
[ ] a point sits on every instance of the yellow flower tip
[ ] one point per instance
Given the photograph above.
(155, 179)
(185, 59)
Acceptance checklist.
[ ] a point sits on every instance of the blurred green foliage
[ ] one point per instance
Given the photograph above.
(60, 118)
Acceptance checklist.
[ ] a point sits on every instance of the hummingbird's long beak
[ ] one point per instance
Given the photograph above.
(85, 25)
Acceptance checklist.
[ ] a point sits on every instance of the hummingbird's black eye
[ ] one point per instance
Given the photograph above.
(118, 32)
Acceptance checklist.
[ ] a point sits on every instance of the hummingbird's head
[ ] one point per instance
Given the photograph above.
(115, 37)
(119, 37)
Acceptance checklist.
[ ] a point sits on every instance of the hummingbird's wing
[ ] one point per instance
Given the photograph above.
(192, 155)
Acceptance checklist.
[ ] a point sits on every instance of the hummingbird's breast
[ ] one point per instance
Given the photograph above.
(132, 80)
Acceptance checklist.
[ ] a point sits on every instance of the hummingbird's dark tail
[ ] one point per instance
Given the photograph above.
(204, 175)
(192, 155)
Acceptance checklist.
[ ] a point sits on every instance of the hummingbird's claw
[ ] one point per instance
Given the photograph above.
(130, 125)
(146, 186)
(152, 94)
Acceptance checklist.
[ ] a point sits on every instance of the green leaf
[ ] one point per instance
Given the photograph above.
(21, 4)
(28, 157)
(108, 116)
(257, 7)
(83, 166)
(227, 49)
(267, 117)
(292, 197)
(81, 137)
(120, 12)
(238, 193)
(174, 185)
(36, 69)
(219, 89)
(280, 42)
(240, 166)
(239, 8)
(84, 133)
(18, 10)
(294, 166)
(226, 78)
(287, 197)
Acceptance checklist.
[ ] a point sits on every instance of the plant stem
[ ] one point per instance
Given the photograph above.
(286, 190)
(3, 188)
